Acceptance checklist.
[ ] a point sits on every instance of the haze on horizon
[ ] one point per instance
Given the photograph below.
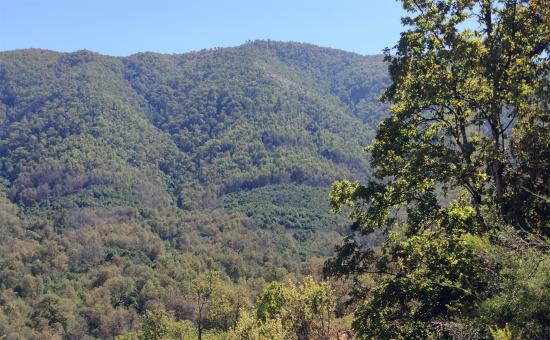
(126, 27)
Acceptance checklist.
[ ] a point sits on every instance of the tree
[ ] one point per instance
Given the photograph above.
(56, 312)
(270, 301)
(468, 80)
(155, 325)
(203, 289)
(249, 327)
(305, 310)
(159, 325)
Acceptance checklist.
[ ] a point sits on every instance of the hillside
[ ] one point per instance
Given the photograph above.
(120, 174)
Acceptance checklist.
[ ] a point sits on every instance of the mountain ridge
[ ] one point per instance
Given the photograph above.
(123, 179)
(247, 42)
(161, 111)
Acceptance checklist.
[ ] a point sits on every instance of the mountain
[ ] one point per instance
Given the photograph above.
(148, 169)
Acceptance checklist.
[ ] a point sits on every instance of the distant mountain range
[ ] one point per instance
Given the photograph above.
(219, 158)
(85, 130)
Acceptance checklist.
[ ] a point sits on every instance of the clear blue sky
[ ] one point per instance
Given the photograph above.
(123, 27)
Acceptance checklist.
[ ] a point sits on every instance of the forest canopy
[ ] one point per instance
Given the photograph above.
(124, 180)
(189, 196)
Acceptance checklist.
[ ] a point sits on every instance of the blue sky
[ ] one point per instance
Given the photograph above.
(123, 27)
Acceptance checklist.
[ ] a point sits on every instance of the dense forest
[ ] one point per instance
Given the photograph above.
(123, 180)
(282, 190)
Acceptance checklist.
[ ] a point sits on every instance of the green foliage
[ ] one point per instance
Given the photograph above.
(501, 333)
(122, 180)
(269, 303)
(155, 325)
(82, 129)
(297, 209)
(448, 167)
(305, 310)
(257, 118)
(160, 325)
(518, 274)
(249, 327)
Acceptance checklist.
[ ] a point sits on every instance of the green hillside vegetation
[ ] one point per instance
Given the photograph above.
(122, 180)
(188, 196)
(299, 209)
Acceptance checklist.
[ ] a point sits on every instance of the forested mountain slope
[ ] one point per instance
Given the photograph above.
(120, 174)
(214, 121)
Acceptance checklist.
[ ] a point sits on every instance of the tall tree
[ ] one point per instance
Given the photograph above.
(202, 290)
(469, 89)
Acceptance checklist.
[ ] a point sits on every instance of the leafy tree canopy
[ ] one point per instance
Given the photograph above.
(462, 155)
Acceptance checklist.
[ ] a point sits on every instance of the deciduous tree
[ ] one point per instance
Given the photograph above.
(469, 91)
